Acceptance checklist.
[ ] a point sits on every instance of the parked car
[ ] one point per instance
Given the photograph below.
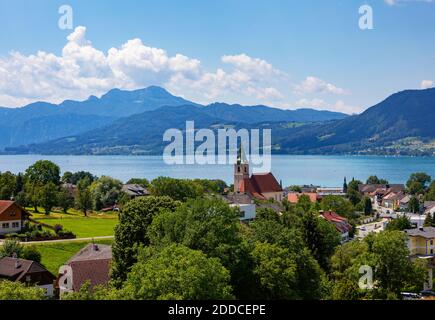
(410, 296)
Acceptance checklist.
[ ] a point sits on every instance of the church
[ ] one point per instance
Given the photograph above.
(261, 186)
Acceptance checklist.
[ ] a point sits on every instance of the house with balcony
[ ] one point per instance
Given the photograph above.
(421, 245)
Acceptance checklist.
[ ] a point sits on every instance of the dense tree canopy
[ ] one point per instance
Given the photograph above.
(177, 273)
(132, 230)
(177, 189)
(19, 291)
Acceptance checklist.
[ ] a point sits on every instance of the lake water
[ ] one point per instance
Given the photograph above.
(326, 171)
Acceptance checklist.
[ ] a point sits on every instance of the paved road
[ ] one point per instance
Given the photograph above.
(376, 227)
(64, 240)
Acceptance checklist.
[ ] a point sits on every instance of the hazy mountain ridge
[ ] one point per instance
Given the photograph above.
(398, 125)
(40, 121)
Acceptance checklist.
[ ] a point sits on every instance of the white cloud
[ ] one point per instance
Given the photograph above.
(425, 84)
(395, 2)
(82, 70)
(315, 85)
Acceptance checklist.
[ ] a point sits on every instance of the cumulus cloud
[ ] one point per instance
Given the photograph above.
(315, 85)
(425, 84)
(82, 70)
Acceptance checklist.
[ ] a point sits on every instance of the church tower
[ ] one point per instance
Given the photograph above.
(241, 171)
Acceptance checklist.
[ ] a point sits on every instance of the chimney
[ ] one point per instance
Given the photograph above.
(95, 247)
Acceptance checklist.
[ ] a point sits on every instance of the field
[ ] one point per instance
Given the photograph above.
(94, 225)
(53, 255)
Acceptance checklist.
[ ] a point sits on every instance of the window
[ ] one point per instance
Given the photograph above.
(431, 242)
(5, 225)
(15, 224)
(238, 169)
(242, 214)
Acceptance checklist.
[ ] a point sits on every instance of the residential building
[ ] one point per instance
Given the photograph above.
(323, 192)
(392, 200)
(92, 264)
(244, 202)
(28, 272)
(403, 204)
(12, 217)
(421, 245)
(135, 190)
(341, 224)
(367, 189)
(293, 197)
(429, 207)
(261, 186)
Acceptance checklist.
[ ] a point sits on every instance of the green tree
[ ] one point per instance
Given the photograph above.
(368, 209)
(321, 238)
(48, 197)
(74, 178)
(388, 256)
(132, 230)
(415, 188)
(337, 204)
(429, 221)
(140, 181)
(401, 223)
(418, 183)
(267, 214)
(65, 200)
(10, 248)
(84, 196)
(211, 226)
(177, 189)
(19, 291)
(275, 271)
(414, 205)
(353, 185)
(304, 202)
(7, 185)
(354, 196)
(87, 292)
(376, 180)
(31, 253)
(43, 172)
(177, 273)
(105, 192)
(430, 195)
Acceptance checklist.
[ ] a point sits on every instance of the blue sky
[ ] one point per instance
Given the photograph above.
(288, 54)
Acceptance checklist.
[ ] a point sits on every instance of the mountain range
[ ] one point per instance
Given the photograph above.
(41, 122)
(402, 124)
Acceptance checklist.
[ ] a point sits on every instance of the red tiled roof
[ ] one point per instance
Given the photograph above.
(15, 269)
(293, 197)
(92, 263)
(340, 223)
(4, 205)
(95, 271)
(265, 182)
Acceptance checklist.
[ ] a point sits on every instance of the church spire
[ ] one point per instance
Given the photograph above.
(241, 156)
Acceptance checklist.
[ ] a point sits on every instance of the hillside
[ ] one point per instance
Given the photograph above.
(41, 122)
(401, 124)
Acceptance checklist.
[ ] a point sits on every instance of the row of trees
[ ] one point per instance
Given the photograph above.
(42, 186)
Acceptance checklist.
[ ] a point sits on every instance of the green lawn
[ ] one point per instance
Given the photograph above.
(85, 227)
(95, 225)
(53, 255)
